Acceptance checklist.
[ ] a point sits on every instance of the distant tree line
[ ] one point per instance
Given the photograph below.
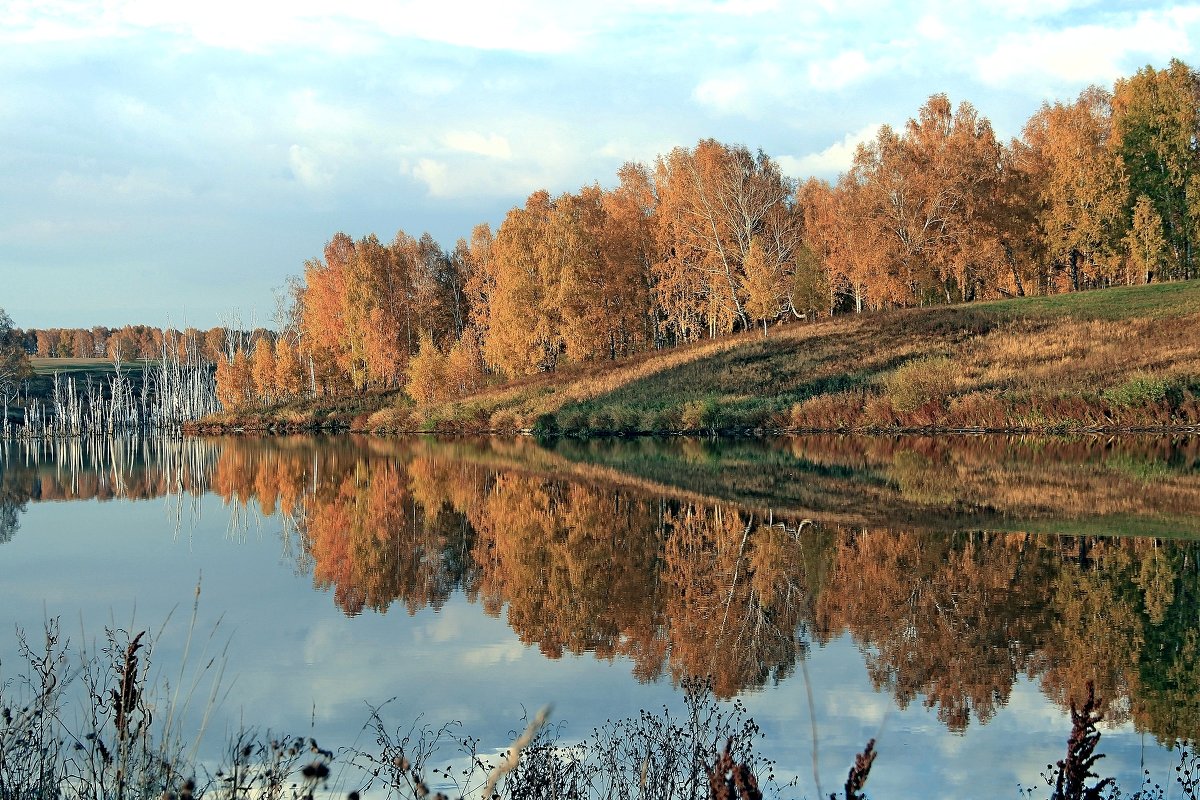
(714, 239)
(134, 342)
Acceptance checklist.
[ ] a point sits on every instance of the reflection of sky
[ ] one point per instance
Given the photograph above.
(295, 659)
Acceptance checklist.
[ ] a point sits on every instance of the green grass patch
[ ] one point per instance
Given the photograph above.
(66, 366)
(1155, 301)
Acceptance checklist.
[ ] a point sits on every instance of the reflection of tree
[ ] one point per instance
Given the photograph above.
(1097, 630)
(691, 586)
(1169, 664)
(13, 497)
(953, 618)
(957, 618)
(374, 544)
(9, 523)
(576, 565)
(735, 598)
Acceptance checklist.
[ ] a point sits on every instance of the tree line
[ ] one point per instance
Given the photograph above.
(133, 342)
(715, 239)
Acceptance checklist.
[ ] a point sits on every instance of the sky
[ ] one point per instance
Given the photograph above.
(173, 163)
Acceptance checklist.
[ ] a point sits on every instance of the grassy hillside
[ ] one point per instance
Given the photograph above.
(1112, 359)
(1119, 358)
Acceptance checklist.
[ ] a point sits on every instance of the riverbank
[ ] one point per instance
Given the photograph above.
(1112, 360)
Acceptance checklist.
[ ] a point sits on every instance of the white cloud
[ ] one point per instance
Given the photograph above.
(933, 27)
(746, 7)
(727, 94)
(831, 161)
(473, 178)
(354, 27)
(434, 175)
(306, 167)
(493, 145)
(529, 27)
(1086, 53)
(1024, 9)
(839, 72)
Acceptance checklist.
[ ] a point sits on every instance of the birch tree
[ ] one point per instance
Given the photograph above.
(1081, 187)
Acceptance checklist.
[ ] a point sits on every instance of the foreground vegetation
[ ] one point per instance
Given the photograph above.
(126, 740)
(1125, 358)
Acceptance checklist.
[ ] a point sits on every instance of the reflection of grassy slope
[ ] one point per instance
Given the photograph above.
(744, 472)
(1162, 527)
(1049, 361)
(998, 483)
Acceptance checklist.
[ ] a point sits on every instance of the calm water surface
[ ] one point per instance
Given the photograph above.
(945, 596)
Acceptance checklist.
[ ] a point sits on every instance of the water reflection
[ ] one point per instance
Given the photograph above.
(732, 559)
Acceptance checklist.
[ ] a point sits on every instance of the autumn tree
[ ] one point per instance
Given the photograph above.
(478, 271)
(629, 251)
(235, 381)
(263, 370)
(1080, 184)
(764, 285)
(839, 232)
(925, 193)
(810, 291)
(1013, 219)
(465, 371)
(1156, 136)
(289, 370)
(323, 319)
(426, 379)
(598, 243)
(524, 333)
(1145, 242)
(713, 202)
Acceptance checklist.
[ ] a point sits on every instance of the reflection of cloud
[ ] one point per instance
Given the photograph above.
(500, 653)
(445, 626)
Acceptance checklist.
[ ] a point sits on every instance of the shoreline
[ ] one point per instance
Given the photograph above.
(251, 427)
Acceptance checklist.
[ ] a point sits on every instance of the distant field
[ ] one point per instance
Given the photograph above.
(41, 385)
(48, 366)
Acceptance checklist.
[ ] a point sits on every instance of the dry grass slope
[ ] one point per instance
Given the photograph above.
(1113, 359)
(1124, 358)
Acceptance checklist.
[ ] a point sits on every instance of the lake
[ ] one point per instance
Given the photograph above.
(947, 596)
